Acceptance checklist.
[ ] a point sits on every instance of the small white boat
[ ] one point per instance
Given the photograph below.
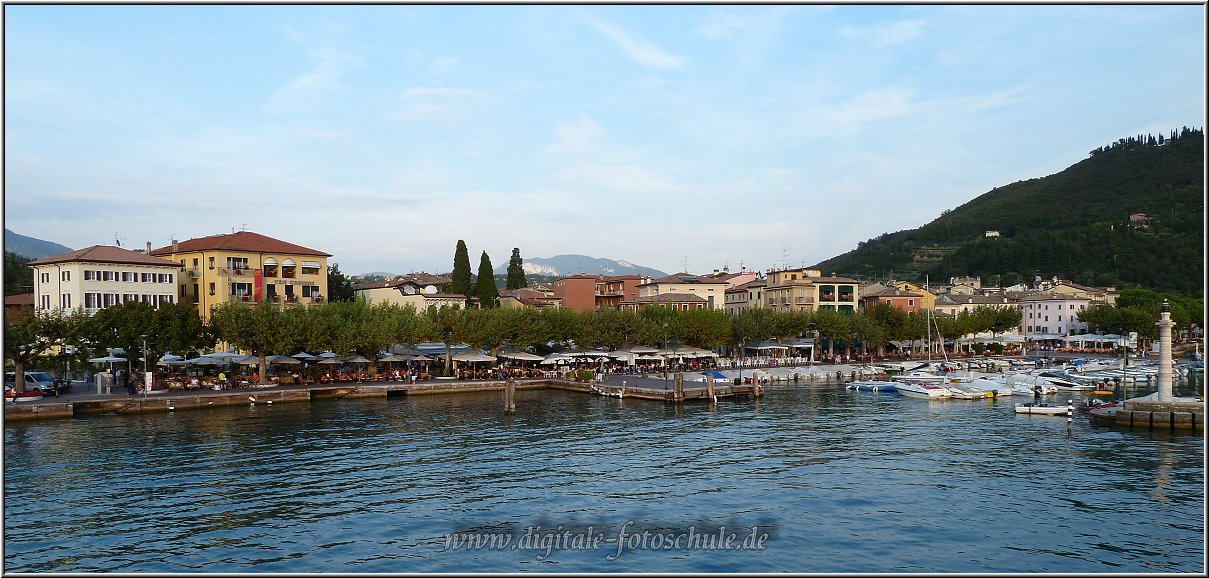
(872, 385)
(920, 375)
(995, 386)
(1042, 409)
(923, 390)
(963, 390)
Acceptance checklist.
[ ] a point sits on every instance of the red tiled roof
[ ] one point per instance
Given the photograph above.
(667, 298)
(105, 254)
(239, 241)
(17, 300)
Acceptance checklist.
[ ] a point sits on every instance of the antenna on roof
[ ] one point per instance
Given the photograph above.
(784, 259)
(685, 263)
(116, 239)
(244, 227)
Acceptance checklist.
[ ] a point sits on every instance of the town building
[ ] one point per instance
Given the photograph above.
(681, 301)
(908, 301)
(710, 288)
(1050, 315)
(516, 298)
(246, 267)
(745, 296)
(590, 292)
(420, 292)
(806, 289)
(101, 276)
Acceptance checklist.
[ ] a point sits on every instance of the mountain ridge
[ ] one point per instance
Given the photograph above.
(31, 247)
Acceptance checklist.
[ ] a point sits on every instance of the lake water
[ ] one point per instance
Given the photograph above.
(831, 480)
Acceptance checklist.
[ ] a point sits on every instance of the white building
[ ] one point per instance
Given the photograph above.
(1051, 315)
(99, 276)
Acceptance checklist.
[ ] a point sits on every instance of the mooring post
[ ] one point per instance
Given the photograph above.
(679, 386)
(1070, 416)
(509, 396)
(709, 388)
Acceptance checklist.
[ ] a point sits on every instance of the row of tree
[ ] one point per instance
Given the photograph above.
(484, 287)
(347, 327)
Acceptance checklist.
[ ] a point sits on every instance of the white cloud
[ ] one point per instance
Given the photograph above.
(884, 34)
(580, 137)
(641, 51)
(328, 66)
(437, 104)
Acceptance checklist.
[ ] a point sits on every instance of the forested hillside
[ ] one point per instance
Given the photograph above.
(1074, 224)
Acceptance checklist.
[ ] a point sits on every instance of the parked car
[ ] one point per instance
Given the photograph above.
(34, 380)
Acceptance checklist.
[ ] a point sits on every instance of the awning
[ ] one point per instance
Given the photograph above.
(269, 261)
(288, 263)
(312, 264)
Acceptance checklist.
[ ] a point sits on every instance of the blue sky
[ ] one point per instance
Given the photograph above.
(716, 135)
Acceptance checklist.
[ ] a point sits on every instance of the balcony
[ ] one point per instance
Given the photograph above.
(234, 272)
(193, 273)
(242, 299)
(805, 300)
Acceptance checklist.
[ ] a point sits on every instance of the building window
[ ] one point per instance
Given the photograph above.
(910, 303)
(148, 299)
(211, 262)
(90, 275)
(195, 261)
(211, 288)
(129, 297)
(67, 275)
(310, 290)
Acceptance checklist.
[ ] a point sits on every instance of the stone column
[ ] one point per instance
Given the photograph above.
(1165, 324)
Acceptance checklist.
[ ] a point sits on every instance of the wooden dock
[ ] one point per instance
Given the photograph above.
(178, 401)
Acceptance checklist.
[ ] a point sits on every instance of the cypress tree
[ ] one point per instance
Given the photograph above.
(461, 270)
(486, 290)
(516, 271)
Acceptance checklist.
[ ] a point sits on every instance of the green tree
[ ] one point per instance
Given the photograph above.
(461, 270)
(18, 277)
(485, 289)
(29, 335)
(261, 330)
(516, 271)
(339, 286)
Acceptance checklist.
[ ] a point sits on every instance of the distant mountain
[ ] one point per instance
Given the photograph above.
(1130, 215)
(31, 247)
(565, 265)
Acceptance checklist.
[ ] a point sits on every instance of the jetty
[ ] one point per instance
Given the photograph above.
(167, 401)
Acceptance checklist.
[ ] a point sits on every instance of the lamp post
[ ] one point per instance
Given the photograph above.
(146, 376)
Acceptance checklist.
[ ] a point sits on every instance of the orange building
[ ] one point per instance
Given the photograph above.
(590, 292)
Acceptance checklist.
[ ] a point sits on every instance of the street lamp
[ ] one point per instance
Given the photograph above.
(146, 376)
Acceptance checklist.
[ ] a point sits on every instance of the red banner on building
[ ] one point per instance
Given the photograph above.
(256, 283)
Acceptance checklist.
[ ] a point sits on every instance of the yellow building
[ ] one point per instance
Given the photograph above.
(246, 267)
(929, 298)
(808, 290)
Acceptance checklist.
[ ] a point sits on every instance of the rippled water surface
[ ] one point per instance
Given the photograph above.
(840, 481)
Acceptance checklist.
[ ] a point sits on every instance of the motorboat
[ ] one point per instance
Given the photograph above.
(1042, 409)
(872, 385)
(1027, 384)
(962, 390)
(920, 375)
(995, 386)
(923, 390)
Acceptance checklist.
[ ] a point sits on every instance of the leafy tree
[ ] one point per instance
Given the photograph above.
(516, 271)
(339, 287)
(561, 327)
(833, 325)
(706, 328)
(18, 277)
(449, 328)
(488, 293)
(28, 334)
(461, 270)
(261, 330)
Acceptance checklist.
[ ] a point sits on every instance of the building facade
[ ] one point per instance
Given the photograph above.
(100, 276)
(246, 267)
(806, 289)
(711, 290)
(1051, 315)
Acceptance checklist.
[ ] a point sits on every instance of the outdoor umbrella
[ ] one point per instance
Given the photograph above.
(222, 355)
(472, 356)
(643, 349)
(107, 359)
(302, 355)
(522, 356)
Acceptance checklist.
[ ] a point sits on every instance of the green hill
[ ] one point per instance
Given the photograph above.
(1074, 224)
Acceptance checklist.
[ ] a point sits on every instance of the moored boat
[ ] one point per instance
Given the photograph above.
(923, 390)
(872, 385)
(1041, 409)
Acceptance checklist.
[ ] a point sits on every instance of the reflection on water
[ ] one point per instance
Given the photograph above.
(840, 481)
